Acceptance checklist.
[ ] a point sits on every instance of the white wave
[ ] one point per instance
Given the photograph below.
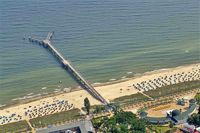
(19, 98)
(156, 70)
(30, 97)
(2, 105)
(112, 79)
(57, 89)
(97, 83)
(137, 74)
(26, 97)
(66, 89)
(43, 88)
(38, 94)
(14, 99)
(30, 94)
(163, 69)
(22, 98)
(129, 72)
(145, 52)
(123, 77)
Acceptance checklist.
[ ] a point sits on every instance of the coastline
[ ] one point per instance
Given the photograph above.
(109, 91)
(95, 85)
(138, 75)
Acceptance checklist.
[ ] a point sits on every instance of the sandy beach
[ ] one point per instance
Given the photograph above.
(109, 91)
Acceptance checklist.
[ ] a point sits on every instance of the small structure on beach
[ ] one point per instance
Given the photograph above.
(181, 102)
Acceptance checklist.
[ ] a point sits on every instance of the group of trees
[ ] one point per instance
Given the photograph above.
(194, 119)
(121, 122)
(197, 98)
(127, 122)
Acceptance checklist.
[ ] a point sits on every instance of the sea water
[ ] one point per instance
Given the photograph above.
(104, 39)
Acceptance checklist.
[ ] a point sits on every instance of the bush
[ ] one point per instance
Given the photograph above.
(21, 126)
(121, 122)
(173, 89)
(194, 119)
(130, 99)
(197, 98)
(55, 118)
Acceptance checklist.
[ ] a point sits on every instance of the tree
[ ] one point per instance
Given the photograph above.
(140, 110)
(197, 98)
(115, 107)
(123, 122)
(171, 125)
(99, 109)
(87, 105)
(194, 119)
(181, 102)
(175, 112)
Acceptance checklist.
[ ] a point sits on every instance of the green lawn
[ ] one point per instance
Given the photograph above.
(173, 89)
(55, 118)
(130, 99)
(16, 127)
(162, 129)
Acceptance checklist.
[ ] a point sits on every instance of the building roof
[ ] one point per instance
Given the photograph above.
(85, 126)
(184, 115)
(176, 112)
(157, 120)
(192, 101)
(143, 114)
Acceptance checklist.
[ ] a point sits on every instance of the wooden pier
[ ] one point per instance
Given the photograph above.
(67, 64)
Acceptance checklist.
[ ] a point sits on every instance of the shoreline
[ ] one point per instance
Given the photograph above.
(138, 75)
(110, 91)
(14, 103)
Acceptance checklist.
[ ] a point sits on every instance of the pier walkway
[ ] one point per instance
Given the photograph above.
(66, 63)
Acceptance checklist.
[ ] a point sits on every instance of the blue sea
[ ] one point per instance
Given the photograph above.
(104, 39)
